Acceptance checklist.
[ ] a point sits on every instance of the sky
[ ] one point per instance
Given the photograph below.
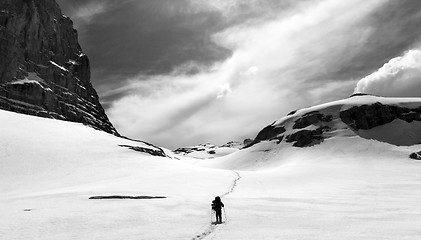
(182, 72)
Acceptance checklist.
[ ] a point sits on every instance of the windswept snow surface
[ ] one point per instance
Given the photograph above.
(345, 188)
(52, 167)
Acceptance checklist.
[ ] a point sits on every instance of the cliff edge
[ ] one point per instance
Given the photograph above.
(43, 71)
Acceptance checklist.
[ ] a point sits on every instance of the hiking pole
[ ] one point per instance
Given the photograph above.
(225, 215)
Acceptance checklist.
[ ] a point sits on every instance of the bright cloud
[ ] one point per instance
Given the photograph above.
(400, 77)
(277, 65)
(87, 12)
(227, 7)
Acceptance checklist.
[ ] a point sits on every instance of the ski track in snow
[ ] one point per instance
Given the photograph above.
(213, 227)
(234, 185)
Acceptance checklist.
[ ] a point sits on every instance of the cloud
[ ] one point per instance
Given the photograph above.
(400, 77)
(87, 12)
(83, 12)
(231, 8)
(156, 37)
(277, 65)
(244, 10)
(145, 37)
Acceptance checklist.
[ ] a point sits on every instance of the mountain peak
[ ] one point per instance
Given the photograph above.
(43, 71)
(392, 120)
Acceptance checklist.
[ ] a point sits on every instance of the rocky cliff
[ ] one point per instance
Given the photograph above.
(366, 117)
(43, 71)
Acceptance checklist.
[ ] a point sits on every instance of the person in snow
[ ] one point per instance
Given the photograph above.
(217, 206)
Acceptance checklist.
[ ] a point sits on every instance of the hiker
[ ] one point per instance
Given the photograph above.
(217, 206)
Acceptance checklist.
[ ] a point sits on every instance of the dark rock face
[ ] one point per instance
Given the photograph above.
(300, 138)
(43, 71)
(212, 152)
(306, 138)
(247, 141)
(187, 150)
(415, 155)
(268, 133)
(309, 127)
(292, 113)
(369, 116)
(311, 118)
(154, 152)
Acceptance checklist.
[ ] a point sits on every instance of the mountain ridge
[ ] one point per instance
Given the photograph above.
(44, 71)
(359, 115)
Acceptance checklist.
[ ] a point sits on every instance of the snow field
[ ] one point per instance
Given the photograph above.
(53, 167)
(345, 188)
(326, 202)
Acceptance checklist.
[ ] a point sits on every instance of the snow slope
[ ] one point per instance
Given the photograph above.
(345, 188)
(52, 167)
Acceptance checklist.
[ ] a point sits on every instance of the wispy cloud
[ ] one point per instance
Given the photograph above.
(277, 65)
(400, 77)
(87, 12)
(239, 10)
(83, 12)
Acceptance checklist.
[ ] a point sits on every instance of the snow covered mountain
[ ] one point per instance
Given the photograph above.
(340, 126)
(341, 186)
(207, 150)
(393, 120)
(340, 170)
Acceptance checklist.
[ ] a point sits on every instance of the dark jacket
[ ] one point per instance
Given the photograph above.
(217, 204)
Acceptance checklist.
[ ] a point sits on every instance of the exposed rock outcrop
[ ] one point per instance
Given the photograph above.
(43, 70)
(306, 138)
(270, 132)
(369, 116)
(393, 120)
(297, 135)
(199, 148)
(204, 151)
(155, 151)
(415, 155)
(311, 118)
